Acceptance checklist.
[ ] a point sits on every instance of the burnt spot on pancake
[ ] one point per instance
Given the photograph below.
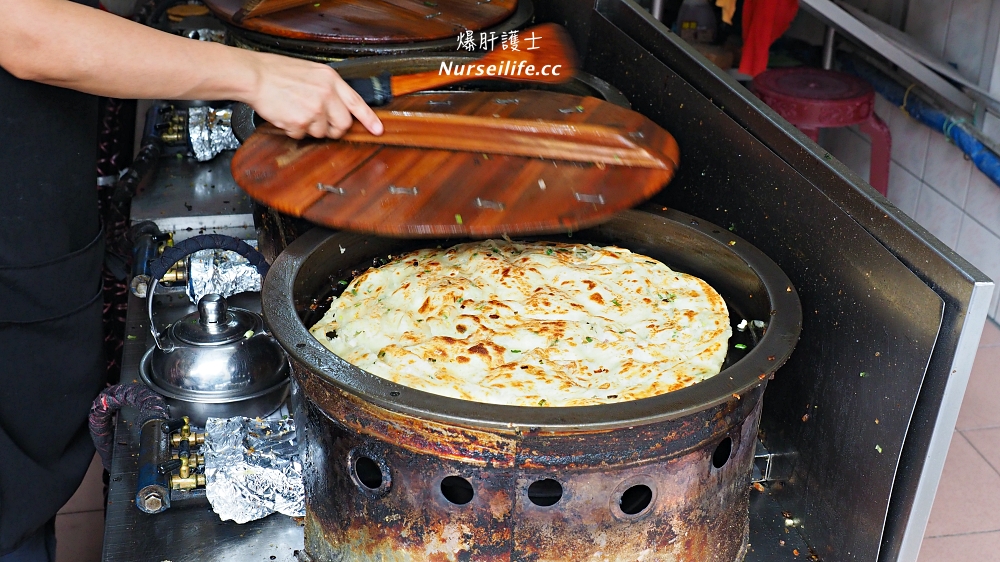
(596, 297)
(480, 349)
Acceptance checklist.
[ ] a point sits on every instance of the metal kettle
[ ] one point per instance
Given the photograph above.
(217, 362)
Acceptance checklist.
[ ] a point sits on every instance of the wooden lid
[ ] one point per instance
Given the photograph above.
(373, 21)
(408, 191)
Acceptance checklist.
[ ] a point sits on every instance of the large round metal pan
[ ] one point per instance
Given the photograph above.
(752, 285)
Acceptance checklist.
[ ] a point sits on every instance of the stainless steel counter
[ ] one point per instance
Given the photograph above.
(187, 197)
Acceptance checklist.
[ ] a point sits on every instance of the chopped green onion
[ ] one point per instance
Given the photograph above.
(458, 219)
(515, 351)
(740, 346)
(589, 339)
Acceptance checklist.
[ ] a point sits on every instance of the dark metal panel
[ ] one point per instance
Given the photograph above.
(947, 273)
(865, 312)
(574, 15)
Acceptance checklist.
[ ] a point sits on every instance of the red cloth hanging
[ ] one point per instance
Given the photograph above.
(763, 22)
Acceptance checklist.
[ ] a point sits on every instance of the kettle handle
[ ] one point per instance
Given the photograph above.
(187, 247)
(194, 244)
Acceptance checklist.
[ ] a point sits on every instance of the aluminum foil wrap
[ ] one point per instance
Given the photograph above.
(252, 468)
(221, 272)
(211, 132)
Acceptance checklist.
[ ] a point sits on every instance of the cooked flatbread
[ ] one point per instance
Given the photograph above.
(530, 324)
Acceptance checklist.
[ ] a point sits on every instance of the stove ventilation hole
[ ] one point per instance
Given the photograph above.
(636, 499)
(457, 490)
(545, 492)
(369, 473)
(721, 455)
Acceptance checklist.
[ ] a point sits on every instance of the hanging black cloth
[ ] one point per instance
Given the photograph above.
(51, 251)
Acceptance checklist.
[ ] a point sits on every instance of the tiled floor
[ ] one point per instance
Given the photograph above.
(965, 519)
(964, 523)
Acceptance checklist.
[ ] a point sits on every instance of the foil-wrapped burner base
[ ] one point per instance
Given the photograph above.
(221, 272)
(205, 34)
(252, 468)
(211, 132)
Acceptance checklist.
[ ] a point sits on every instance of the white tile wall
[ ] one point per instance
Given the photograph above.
(982, 248)
(938, 215)
(983, 202)
(991, 126)
(909, 143)
(947, 169)
(966, 36)
(904, 188)
(885, 109)
(926, 21)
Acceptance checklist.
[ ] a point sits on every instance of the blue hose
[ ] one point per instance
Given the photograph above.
(984, 158)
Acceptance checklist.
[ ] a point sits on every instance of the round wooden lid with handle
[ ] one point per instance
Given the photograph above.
(363, 21)
(466, 163)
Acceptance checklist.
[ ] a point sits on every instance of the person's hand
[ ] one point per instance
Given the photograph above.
(307, 98)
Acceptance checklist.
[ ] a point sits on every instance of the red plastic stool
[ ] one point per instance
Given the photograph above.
(814, 99)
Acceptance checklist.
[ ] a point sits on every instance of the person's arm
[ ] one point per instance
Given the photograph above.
(66, 44)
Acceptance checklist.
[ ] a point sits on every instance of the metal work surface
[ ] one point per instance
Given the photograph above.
(188, 197)
(773, 537)
(851, 254)
(834, 388)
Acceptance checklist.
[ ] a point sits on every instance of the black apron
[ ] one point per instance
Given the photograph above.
(51, 251)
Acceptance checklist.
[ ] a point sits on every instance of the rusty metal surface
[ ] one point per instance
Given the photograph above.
(697, 512)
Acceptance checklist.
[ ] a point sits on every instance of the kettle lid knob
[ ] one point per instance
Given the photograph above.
(213, 310)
